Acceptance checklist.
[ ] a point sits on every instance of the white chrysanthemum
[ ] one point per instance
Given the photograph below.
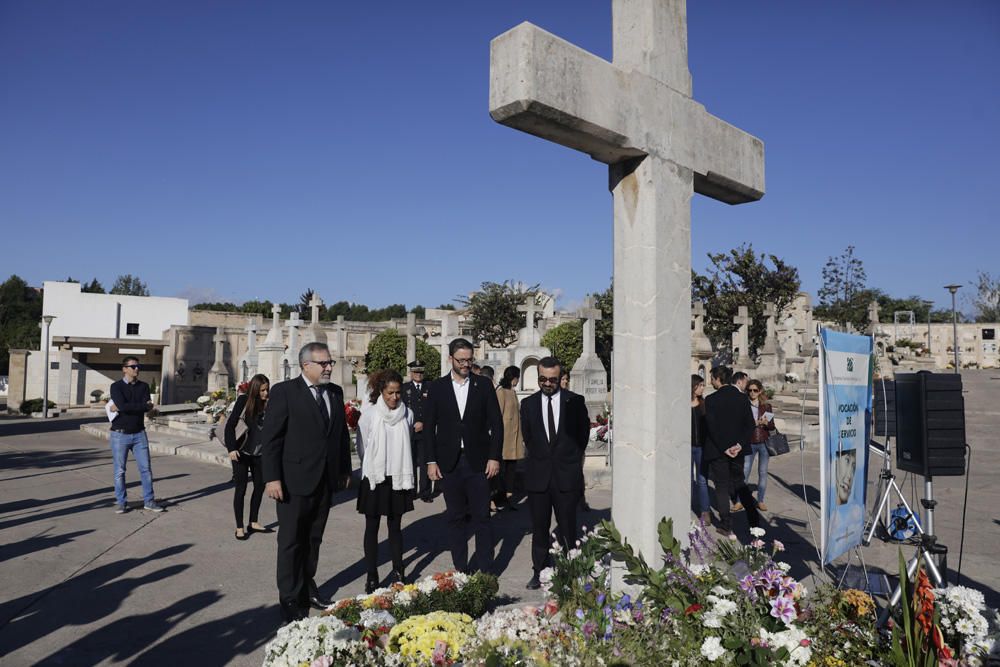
(374, 618)
(426, 585)
(712, 649)
(721, 590)
(300, 641)
(757, 532)
(698, 569)
(784, 567)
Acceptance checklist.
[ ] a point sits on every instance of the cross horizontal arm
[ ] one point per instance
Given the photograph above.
(543, 85)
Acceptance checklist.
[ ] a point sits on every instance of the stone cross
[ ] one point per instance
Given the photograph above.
(315, 303)
(218, 375)
(636, 114)
(411, 340)
(293, 324)
(698, 312)
(741, 337)
(770, 341)
(590, 314)
(274, 335)
(341, 336)
(529, 308)
(873, 313)
(251, 335)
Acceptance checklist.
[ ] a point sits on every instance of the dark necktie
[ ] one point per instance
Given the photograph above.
(322, 406)
(552, 423)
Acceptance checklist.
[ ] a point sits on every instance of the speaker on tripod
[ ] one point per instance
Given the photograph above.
(930, 423)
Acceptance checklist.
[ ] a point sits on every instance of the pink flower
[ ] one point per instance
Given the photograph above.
(757, 544)
(778, 546)
(440, 654)
(322, 661)
(783, 609)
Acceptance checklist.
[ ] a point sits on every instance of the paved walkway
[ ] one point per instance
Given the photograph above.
(84, 586)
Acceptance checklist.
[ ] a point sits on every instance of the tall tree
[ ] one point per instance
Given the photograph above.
(93, 287)
(842, 299)
(566, 342)
(492, 311)
(604, 329)
(129, 285)
(986, 301)
(20, 313)
(737, 278)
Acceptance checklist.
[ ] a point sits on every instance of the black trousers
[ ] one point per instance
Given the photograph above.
(542, 505)
(394, 525)
(302, 520)
(727, 474)
(467, 503)
(244, 464)
(505, 482)
(422, 482)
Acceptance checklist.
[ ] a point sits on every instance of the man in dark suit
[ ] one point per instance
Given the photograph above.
(414, 394)
(306, 458)
(556, 428)
(464, 432)
(730, 424)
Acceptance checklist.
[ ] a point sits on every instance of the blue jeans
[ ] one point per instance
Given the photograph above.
(121, 445)
(758, 449)
(700, 482)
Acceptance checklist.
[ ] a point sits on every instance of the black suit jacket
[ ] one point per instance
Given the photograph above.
(481, 429)
(297, 449)
(729, 420)
(559, 463)
(415, 399)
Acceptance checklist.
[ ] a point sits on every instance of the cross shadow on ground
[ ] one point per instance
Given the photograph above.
(35, 427)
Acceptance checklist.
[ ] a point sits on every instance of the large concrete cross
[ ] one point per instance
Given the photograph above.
(636, 114)
(590, 314)
(529, 308)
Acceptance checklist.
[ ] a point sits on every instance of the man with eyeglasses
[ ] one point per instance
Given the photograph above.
(306, 459)
(464, 431)
(130, 401)
(556, 428)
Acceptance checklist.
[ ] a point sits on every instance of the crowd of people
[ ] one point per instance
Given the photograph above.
(460, 436)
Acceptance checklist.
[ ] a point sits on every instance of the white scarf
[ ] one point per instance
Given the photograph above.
(387, 447)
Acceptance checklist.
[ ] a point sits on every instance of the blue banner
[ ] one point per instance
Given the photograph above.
(845, 397)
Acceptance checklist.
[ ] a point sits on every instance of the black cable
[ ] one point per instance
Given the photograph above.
(965, 506)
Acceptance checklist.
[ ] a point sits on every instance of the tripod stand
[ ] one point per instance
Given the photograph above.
(886, 486)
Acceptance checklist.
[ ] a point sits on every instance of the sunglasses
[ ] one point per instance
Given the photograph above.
(135, 366)
(753, 391)
(325, 364)
(545, 380)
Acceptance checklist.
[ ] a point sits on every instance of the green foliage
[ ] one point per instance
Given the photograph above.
(492, 312)
(742, 278)
(388, 350)
(93, 287)
(129, 285)
(20, 313)
(844, 297)
(987, 298)
(604, 328)
(34, 405)
(566, 342)
(218, 306)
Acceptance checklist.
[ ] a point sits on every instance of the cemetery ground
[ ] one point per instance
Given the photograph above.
(84, 586)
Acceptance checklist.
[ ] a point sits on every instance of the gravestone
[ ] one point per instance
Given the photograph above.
(701, 346)
(741, 337)
(249, 362)
(449, 332)
(411, 337)
(218, 376)
(588, 377)
(291, 368)
(271, 353)
(313, 333)
(636, 114)
(769, 369)
(529, 349)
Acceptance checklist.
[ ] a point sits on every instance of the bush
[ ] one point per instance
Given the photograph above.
(566, 342)
(388, 350)
(34, 405)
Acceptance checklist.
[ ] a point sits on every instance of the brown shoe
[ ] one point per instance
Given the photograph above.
(762, 507)
(736, 507)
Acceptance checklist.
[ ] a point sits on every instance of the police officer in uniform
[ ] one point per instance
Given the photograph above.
(414, 394)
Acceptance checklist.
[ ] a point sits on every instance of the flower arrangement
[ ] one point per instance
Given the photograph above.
(311, 638)
(352, 414)
(436, 638)
(242, 388)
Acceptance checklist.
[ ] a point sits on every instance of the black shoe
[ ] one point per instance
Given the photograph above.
(317, 599)
(427, 499)
(246, 534)
(397, 577)
(292, 612)
(371, 585)
(534, 584)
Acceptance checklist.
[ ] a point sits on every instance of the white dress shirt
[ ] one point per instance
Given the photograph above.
(320, 388)
(555, 411)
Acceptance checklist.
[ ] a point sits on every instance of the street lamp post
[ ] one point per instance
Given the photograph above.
(954, 322)
(45, 373)
(930, 305)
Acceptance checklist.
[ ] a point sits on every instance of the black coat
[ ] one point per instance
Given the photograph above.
(481, 429)
(558, 464)
(729, 420)
(415, 399)
(297, 448)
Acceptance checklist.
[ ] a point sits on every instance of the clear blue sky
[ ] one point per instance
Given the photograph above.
(237, 150)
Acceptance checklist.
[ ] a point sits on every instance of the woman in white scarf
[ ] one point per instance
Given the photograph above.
(386, 487)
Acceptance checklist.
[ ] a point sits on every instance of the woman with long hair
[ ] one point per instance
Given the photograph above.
(513, 443)
(698, 430)
(386, 487)
(758, 441)
(244, 445)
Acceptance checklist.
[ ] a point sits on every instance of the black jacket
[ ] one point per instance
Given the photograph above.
(560, 463)
(415, 399)
(481, 429)
(729, 420)
(297, 449)
(252, 436)
(133, 402)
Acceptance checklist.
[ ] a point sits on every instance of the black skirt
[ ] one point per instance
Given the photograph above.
(383, 500)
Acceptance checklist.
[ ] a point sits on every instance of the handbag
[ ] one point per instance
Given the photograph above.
(777, 444)
(242, 428)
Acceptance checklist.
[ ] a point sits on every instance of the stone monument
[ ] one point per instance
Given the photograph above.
(741, 337)
(529, 349)
(768, 367)
(218, 376)
(701, 346)
(271, 352)
(636, 114)
(588, 377)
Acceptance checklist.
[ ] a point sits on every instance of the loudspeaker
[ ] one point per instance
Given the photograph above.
(884, 407)
(930, 424)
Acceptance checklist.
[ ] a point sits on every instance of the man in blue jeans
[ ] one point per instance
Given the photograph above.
(131, 402)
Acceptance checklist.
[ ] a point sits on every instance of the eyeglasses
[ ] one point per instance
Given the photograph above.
(324, 364)
(135, 366)
(753, 391)
(545, 380)
(463, 362)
